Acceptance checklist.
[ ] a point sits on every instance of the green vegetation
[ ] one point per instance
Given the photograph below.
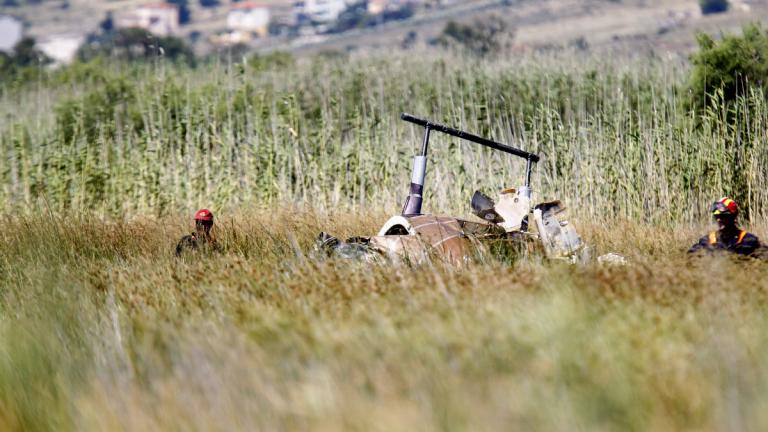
(730, 68)
(484, 37)
(134, 44)
(23, 63)
(616, 139)
(713, 6)
(102, 329)
(357, 16)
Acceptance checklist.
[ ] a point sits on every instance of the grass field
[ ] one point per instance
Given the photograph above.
(101, 328)
(616, 138)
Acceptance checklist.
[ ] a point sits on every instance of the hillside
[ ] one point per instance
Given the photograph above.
(661, 26)
(666, 26)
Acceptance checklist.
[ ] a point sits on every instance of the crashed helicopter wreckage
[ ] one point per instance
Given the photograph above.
(505, 222)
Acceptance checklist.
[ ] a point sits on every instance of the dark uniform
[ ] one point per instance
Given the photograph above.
(194, 243)
(740, 243)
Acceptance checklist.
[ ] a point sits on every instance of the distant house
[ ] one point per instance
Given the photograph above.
(249, 17)
(61, 48)
(11, 30)
(376, 7)
(230, 38)
(161, 19)
(319, 11)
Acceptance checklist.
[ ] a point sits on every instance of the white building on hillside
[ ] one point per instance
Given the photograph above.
(249, 17)
(11, 31)
(161, 19)
(61, 48)
(319, 11)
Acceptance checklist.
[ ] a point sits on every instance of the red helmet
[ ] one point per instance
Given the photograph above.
(204, 215)
(725, 207)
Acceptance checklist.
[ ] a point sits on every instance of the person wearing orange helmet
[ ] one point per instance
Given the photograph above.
(729, 237)
(201, 239)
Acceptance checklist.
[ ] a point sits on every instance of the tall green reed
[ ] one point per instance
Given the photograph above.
(615, 140)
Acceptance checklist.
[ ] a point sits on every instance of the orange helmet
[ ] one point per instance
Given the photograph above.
(724, 207)
(204, 215)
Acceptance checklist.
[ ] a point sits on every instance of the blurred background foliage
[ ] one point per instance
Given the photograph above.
(652, 141)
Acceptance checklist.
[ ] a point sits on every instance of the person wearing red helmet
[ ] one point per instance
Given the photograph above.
(201, 239)
(729, 237)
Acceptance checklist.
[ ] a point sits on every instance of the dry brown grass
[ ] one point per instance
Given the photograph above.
(103, 329)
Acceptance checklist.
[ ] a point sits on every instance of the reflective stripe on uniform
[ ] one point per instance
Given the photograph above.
(742, 234)
(713, 237)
